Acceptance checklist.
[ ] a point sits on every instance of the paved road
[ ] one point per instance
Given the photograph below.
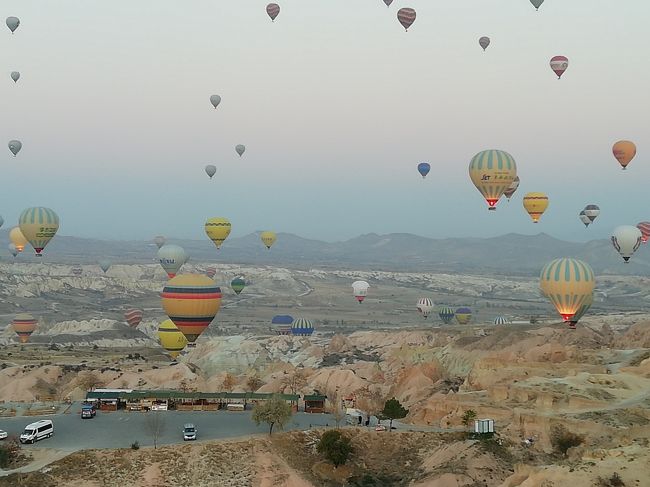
(120, 429)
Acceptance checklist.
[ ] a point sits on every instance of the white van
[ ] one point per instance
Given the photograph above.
(37, 431)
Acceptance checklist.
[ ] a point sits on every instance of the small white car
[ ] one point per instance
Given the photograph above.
(3, 435)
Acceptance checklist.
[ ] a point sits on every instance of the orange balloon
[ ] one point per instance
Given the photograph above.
(624, 151)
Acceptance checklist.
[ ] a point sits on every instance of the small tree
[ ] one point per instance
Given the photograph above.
(9, 452)
(229, 382)
(294, 381)
(154, 425)
(336, 408)
(274, 411)
(468, 417)
(335, 447)
(562, 439)
(371, 401)
(254, 382)
(393, 409)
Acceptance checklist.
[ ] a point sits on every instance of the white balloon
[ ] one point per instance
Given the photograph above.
(626, 239)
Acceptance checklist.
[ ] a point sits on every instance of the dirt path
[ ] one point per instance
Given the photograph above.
(273, 471)
(41, 457)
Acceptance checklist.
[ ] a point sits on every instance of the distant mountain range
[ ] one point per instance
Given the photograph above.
(511, 254)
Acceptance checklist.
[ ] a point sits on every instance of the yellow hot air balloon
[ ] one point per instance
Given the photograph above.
(492, 172)
(569, 284)
(24, 325)
(535, 204)
(268, 238)
(624, 151)
(171, 338)
(38, 225)
(217, 229)
(191, 301)
(18, 239)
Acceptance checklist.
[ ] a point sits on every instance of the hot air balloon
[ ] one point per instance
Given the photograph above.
(13, 250)
(15, 146)
(463, 315)
(302, 327)
(388, 2)
(492, 172)
(626, 239)
(15, 75)
(484, 42)
(191, 301)
(104, 265)
(360, 290)
(171, 338)
(281, 324)
(215, 100)
(211, 272)
(568, 283)
(77, 271)
(273, 10)
(210, 170)
(624, 151)
(424, 168)
(584, 218)
(425, 307)
(24, 325)
(537, 3)
(133, 317)
(171, 258)
(17, 238)
(512, 188)
(268, 238)
(38, 225)
(240, 149)
(501, 320)
(13, 23)
(446, 314)
(592, 212)
(217, 229)
(159, 240)
(535, 204)
(237, 285)
(644, 228)
(406, 17)
(559, 65)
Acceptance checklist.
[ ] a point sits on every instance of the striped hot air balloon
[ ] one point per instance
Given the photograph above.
(424, 307)
(281, 324)
(133, 317)
(535, 204)
(217, 229)
(24, 325)
(38, 225)
(581, 311)
(406, 17)
(238, 285)
(191, 301)
(302, 327)
(568, 284)
(463, 315)
(592, 212)
(584, 218)
(211, 272)
(446, 314)
(273, 10)
(492, 172)
(644, 227)
(512, 188)
(171, 338)
(501, 320)
(559, 65)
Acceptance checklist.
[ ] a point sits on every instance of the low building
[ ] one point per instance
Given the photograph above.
(314, 403)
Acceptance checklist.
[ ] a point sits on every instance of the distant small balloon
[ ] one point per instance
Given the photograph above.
(624, 151)
(559, 65)
(626, 239)
(210, 170)
(268, 238)
(159, 240)
(388, 2)
(584, 218)
(15, 146)
(15, 75)
(484, 42)
(13, 250)
(13, 23)
(644, 228)
(406, 17)
(273, 10)
(104, 265)
(512, 188)
(240, 149)
(537, 3)
(424, 168)
(215, 100)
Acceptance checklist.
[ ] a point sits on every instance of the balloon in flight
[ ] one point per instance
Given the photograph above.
(388, 2)
(215, 100)
(13, 23)
(159, 240)
(24, 325)
(484, 42)
(424, 168)
(13, 250)
(38, 225)
(501, 320)
(273, 10)
(171, 258)
(492, 172)
(133, 317)
(210, 170)
(424, 307)
(104, 265)
(240, 149)
(268, 238)
(15, 75)
(302, 327)
(624, 151)
(15, 146)
(537, 3)
(238, 284)
(581, 311)
(463, 315)
(446, 314)
(17, 238)
(626, 239)
(592, 212)
(559, 65)
(217, 229)
(584, 218)
(644, 228)
(406, 17)
(171, 338)
(512, 188)
(211, 272)
(281, 324)
(568, 284)
(191, 301)
(535, 204)
(360, 290)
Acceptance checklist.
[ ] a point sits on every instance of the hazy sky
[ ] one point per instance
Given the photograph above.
(336, 105)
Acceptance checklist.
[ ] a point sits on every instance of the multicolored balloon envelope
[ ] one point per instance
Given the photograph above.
(644, 228)
(217, 229)
(569, 284)
(302, 327)
(446, 314)
(273, 10)
(463, 315)
(559, 65)
(38, 225)
(238, 284)
(406, 17)
(424, 307)
(512, 188)
(133, 317)
(24, 325)
(535, 205)
(501, 320)
(360, 290)
(492, 172)
(281, 324)
(624, 151)
(191, 301)
(171, 338)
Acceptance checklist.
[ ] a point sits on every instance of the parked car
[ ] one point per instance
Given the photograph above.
(88, 411)
(37, 431)
(3, 435)
(380, 427)
(189, 432)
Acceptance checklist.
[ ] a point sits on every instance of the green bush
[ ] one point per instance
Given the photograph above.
(135, 445)
(562, 439)
(335, 447)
